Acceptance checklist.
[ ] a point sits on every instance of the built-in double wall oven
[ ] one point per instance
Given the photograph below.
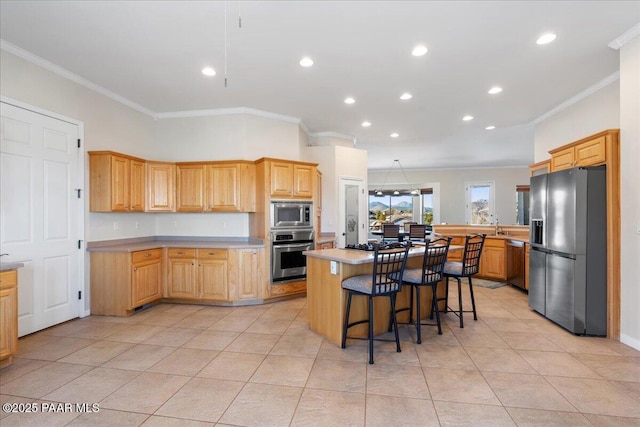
(291, 235)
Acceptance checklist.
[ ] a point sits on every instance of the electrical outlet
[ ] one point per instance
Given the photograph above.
(334, 267)
(638, 227)
(115, 225)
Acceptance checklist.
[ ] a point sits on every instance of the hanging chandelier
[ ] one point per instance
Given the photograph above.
(396, 192)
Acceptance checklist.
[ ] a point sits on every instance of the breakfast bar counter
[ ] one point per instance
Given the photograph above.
(326, 301)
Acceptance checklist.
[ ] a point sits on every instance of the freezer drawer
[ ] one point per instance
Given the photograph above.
(565, 294)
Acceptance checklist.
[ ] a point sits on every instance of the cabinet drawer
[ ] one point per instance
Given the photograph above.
(142, 256)
(494, 243)
(8, 279)
(181, 253)
(212, 254)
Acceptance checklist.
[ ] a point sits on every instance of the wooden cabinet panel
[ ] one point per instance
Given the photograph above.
(190, 188)
(303, 180)
(281, 179)
(590, 152)
(492, 263)
(8, 316)
(213, 279)
(540, 168)
(116, 182)
(146, 282)
(145, 256)
(563, 159)
(223, 187)
(136, 186)
(325, 245)
(182, 279)
(456, 256)
(526, 266)
(160, 179)
(248, 272)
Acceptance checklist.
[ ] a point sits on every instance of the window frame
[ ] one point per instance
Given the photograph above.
(468, 185)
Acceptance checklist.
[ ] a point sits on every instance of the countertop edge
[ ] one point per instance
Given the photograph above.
(195, 244)
(6, 266)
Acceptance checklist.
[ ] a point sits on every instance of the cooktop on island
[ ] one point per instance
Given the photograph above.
(372, 246)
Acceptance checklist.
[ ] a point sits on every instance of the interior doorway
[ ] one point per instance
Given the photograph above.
(352, 212)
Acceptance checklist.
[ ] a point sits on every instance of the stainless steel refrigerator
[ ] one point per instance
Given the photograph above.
(568, 256)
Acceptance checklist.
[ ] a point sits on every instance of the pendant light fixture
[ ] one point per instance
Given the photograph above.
(396, 192)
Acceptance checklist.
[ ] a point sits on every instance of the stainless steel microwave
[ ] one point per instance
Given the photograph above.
(291, 214)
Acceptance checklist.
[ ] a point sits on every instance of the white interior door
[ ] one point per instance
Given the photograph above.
(352, 211)
(41, 214)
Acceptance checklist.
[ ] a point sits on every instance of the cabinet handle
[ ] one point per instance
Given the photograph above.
(199, 265)
(147, 255)
(212, 253)
(135, 268)
(180, 253)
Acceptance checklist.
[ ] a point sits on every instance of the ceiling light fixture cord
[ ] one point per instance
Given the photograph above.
(403, 173)
(225, 43)
(239, 16)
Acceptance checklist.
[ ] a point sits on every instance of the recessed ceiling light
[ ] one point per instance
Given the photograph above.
(394, 135)
(406, 96)
(366, 124)
(208, 71)
(546, 38)
(495, 89)
(306, 62)
(492, 127)
(349, 100)
(467, 118)
(419, 50)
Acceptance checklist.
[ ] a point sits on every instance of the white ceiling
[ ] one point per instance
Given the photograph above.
(151, 53)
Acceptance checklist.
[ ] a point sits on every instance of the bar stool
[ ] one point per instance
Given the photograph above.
(467, 268)
(417, 232)
(388, 262)
(390, 232)
(435, 256)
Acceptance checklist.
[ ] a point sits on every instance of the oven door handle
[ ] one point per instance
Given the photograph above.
(293, 246)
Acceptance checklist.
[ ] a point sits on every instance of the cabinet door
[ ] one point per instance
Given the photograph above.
(8, 321)
(303, 177)
(526, 266)
(190, 189)
(590, 152)
(492, 263)
(146, 283)
(182, 278)
(160, 187)
(563, 159)
(120, 184)
(456, 256)
(223, 187)
(281, 179)
(212, 279)
(136, 189)
(248, 273)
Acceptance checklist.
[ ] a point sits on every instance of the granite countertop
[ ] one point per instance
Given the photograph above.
(4, 266)
(142, 244)
(353, 256)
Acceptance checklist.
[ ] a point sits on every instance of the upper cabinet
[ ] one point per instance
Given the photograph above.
(117, 182)
(290, 179)
(161, 178)
(590, 151)
(231, 187)
(216, 187)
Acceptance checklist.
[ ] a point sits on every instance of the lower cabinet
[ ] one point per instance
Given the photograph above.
(526, 266)
(8, 316)
(249, 273)
(146, 277)
(493, 260)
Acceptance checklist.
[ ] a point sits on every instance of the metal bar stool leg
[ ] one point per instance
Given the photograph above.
(346, 321)
(418, 318)
(460, 301)
(434, 306)
(370, 330)
(473, 301)
(395, 322)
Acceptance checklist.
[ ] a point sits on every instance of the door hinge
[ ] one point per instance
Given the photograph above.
(79, 244)
(78, 142)
(79, 190)
(79, 294)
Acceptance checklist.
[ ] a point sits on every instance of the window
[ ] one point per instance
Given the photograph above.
(480, 202)
(401, 208)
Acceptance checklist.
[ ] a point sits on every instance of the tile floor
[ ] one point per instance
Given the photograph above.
(249, 366)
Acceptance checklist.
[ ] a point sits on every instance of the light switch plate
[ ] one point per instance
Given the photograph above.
(638, 227)
(334, 267)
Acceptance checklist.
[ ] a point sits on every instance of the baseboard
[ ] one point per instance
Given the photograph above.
(630, 341)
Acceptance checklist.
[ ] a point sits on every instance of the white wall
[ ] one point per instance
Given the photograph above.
(630, 192)
(452, 188)
(597, 112)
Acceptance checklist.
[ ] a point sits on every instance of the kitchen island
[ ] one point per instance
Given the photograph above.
(326, 301)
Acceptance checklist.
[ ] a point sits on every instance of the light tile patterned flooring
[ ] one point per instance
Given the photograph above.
(249, 366)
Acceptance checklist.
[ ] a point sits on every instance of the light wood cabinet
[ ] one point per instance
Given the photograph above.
(230, 187)
(540, 168)
(190, 187)
(182, 273)
(292, 179)
(325, 245)
(526, 266)
(146, 279)
(8, 316)
(160, 178)
(587, 152)
(493, 261)
(198, 274)
(116, 182)
(249, 272)
(456, 256)
(123, 281)
(213, 280)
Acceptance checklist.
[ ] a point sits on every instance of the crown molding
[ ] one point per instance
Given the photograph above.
(626, 37)
(227, 111)
(333, 135)
(28, 56)
(585, 93)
